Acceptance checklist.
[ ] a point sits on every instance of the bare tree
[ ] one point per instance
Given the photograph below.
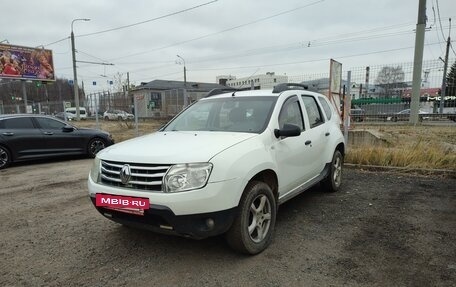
(119, 82)
(391, 79)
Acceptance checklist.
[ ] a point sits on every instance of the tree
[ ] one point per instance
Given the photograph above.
(120, 83)
(390, 79)
(451, 81)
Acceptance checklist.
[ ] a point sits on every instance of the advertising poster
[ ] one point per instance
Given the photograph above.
(18, 62)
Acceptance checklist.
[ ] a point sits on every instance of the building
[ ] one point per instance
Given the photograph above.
(258, 82)
(162, 98)
(222, 80)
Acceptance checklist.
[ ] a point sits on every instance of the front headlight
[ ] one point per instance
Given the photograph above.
(95, 171)
(184, 177)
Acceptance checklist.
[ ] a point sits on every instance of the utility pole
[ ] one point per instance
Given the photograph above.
(75, 74)
(24, 94)
(445, 67)
(418, 63)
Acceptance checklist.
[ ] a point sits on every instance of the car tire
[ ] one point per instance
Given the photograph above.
(94, 146)
(119, 118)
(333, 181)
(394, 119)
(253, 227)
(5, 157)
(106, 118)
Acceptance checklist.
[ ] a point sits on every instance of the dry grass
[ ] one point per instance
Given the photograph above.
(422, 147)
(123, 130)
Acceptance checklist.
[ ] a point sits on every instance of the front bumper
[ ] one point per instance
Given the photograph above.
(161, 219)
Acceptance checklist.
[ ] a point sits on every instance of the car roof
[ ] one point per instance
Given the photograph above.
(11, 116)
(258, 93)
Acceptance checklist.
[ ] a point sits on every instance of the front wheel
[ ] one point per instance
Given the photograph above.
(334, 179)
(5, 158)
(95, 145)
(253, 227)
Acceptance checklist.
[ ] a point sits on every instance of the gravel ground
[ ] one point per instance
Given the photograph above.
(381, 229)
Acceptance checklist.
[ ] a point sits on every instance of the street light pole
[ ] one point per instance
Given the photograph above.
(75, 76)
(185, 71)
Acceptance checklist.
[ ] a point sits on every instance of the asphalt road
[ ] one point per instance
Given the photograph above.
(381, 229)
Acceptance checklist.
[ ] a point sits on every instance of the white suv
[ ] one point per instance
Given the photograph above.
(117, 115)
(223, 165)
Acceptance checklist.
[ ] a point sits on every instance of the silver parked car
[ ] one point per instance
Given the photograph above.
(117, 115)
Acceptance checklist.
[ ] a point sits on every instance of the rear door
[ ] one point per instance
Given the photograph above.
(22, 137)
(317, 133)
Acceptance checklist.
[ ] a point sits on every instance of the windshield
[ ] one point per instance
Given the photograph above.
(246, 114)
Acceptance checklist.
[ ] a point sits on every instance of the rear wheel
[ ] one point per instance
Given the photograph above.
(5, 158)
(334, 179)
(106, 118)
(253, 227)
(95, 145)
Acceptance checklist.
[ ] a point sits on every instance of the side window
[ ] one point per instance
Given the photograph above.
(326, 107)
(313, 111)
(18, 123)
(50, 124)
(291, 113)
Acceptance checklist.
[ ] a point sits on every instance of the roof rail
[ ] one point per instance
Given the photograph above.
(218, 91)
(289, 86)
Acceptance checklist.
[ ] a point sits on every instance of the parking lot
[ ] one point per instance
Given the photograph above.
(381, 229)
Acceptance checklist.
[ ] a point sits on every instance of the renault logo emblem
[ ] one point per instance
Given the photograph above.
(125, 174)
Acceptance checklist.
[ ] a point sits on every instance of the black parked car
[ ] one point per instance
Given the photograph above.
(27, 137)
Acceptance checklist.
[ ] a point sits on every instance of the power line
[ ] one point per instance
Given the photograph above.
(147, 21)
(440, 20)
(58, 41)
(437, 29)
(134, 24)
(219, 32)
(309, 61)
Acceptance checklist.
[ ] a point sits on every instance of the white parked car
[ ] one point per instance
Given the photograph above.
(82, 112)
(223, 165)
(117, 115)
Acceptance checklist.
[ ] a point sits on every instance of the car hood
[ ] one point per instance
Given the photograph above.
(173, 147)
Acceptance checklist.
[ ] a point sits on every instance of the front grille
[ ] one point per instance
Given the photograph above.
(143, 176)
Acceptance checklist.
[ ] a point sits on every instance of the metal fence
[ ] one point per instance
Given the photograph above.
(383, 93)
(378, 94)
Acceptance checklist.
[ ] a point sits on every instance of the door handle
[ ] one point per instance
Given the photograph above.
(48, 133)
(308, 142)
(8, 134)
(327, 134)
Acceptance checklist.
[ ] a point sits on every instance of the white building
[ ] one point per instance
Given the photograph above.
(221, 80)
(267, 81)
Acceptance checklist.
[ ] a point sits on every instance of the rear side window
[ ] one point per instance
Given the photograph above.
(18, 123)
(313, 111)
(326, 107)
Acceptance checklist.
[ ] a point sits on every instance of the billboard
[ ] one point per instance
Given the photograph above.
(18, 62)
(335, 79)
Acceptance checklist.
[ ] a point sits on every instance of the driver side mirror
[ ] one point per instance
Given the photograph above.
(288, 130)
(67, 129)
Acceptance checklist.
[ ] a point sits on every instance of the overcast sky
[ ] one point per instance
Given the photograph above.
(237, 37)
